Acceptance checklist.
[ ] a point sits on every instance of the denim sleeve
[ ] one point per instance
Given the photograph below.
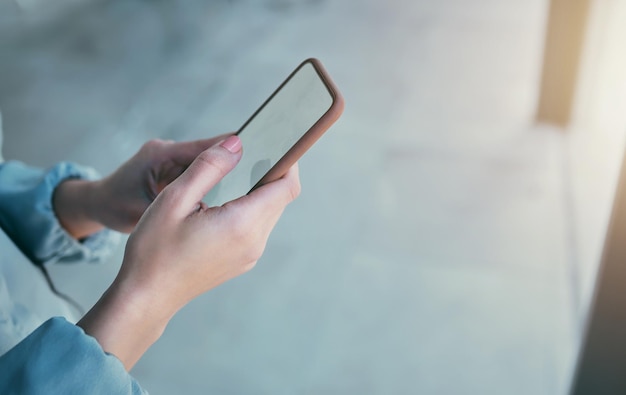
(28, 218)
(59, 358)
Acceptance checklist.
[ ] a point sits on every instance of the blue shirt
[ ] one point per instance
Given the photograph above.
(40, 353)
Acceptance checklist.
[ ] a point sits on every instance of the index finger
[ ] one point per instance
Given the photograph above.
(205, 172)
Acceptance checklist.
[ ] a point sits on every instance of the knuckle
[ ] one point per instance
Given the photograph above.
(295, 190)
(152, 146)
(256, 251)
(249, 266)
(153, 143)
(251, 256)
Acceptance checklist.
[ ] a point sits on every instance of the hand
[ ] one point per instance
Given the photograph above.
(182, 248)
(119, 200)
(127, 193)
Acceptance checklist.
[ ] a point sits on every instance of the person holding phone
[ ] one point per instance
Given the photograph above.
(178, 249)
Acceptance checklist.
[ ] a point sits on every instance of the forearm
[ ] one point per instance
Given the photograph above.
(74, 203)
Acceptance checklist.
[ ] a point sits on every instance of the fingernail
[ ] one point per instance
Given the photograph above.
(232, 143)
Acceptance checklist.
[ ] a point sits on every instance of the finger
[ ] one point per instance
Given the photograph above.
(208, 168)
(273, 197)
(289, 182)
(258, 212)
(184, 152)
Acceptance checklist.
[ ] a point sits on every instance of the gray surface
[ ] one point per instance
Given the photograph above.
(428, 252)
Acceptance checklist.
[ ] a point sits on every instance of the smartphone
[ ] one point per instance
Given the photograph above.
(290, 121)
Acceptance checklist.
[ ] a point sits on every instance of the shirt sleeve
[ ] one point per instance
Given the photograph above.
(59, 358)
(28, 218)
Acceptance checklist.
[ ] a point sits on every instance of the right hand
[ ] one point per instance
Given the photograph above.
(181, 248)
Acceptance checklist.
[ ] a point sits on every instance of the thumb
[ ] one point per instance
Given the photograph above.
(209, 167)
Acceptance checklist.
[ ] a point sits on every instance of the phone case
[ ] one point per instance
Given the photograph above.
(313, 134)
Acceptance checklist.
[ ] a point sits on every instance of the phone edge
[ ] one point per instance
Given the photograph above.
(313, 134)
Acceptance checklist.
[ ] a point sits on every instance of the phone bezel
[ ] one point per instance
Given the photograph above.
(310, 136)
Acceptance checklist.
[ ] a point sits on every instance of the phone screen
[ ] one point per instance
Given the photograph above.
(292, 111)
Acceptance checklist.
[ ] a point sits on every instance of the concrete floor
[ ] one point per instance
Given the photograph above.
(429, 250)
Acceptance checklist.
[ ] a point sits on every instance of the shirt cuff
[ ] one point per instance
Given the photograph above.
(62, 245)
(28, 217)
(59, 358)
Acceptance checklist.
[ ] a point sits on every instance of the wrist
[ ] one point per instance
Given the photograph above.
(126, 322)
(74, 203)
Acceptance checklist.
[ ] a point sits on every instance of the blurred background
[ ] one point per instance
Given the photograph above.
(451, 223)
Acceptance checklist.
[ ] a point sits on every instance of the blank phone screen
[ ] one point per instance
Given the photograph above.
(267, 137)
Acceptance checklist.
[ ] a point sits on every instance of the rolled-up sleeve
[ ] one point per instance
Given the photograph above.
(59, 358)
(28, 218)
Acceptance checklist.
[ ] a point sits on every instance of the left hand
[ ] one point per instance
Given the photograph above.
(128, 192)
(119, 200)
